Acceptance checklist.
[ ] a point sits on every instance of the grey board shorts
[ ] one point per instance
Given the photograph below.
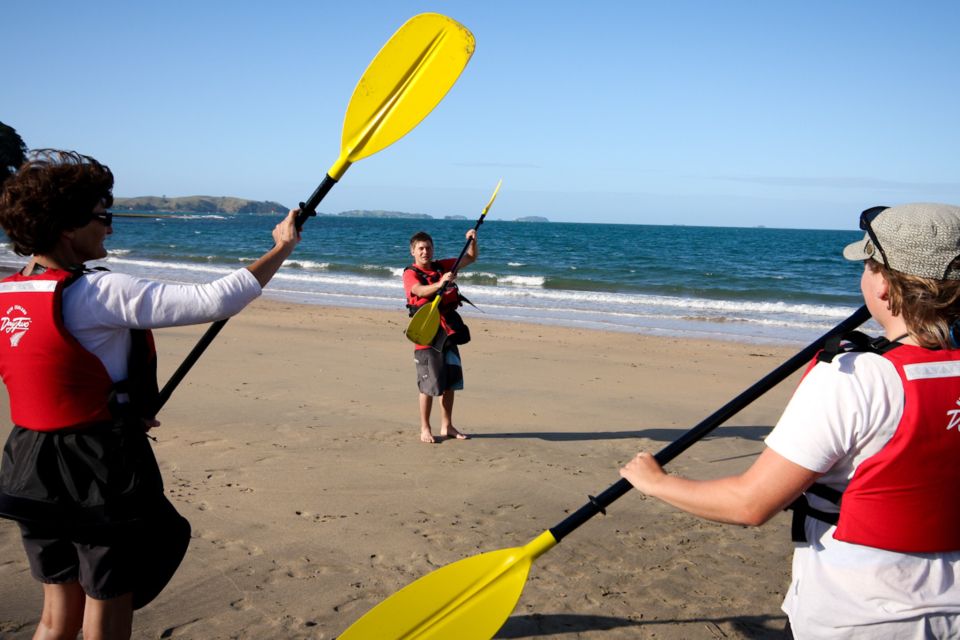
(438, 371)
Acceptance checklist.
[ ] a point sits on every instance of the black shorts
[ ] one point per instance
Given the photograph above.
(108, 561)
(439, 371)
(91, 509)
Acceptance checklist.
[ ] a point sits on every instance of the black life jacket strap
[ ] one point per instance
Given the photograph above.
(139, 394)
(420, 273)
(802, 510)
(855, 341)
(464, 298)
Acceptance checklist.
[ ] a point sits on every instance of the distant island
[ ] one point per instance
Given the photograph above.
(196, 204)
(230, 205)
(376, 213)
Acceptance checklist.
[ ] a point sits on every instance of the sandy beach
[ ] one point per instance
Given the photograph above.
(293, 449)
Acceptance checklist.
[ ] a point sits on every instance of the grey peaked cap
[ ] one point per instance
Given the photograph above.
(920, 239)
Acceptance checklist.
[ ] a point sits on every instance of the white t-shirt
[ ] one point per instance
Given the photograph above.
(842, 413)
(101, 307)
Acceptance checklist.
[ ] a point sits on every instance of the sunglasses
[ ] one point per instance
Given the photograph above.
(866, 218)
(105, 218)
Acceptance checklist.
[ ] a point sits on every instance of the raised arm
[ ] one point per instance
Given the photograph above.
(285, 238)
(473, 251)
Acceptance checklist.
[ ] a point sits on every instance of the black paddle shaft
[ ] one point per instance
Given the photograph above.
(466, 245)
(463, 252)
(599, 503)
(307, 209)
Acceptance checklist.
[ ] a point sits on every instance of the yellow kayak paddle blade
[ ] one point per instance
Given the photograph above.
(467, 600)
(492, 198)
(409, 76)
(425, 323)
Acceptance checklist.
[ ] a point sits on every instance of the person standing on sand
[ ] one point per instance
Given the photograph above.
(876, 423)
(76, 355)
(439, 368)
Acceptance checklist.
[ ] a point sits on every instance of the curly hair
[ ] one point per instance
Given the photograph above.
(928, 307)
(53, 191)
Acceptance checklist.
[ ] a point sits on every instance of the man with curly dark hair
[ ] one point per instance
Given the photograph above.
(76, 355)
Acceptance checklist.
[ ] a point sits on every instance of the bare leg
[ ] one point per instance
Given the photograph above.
(447, 429)
(108, 619)
(426, 405)
(62, 614)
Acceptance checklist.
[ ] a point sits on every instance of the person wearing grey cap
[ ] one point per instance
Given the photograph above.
(873, 427)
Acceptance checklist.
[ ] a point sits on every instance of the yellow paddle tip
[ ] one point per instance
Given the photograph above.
(492, 198)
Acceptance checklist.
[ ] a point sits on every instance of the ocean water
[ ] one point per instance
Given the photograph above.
(756, 285)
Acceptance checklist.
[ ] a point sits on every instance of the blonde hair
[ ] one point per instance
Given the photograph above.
(928, 307)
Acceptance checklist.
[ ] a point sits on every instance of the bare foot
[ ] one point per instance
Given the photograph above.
(451, 432)
(427, 436)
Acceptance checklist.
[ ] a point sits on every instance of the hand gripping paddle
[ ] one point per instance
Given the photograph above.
(409, 76)
(471, 599)
(425, 322)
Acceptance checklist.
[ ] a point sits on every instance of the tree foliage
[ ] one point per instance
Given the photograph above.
(12, 151)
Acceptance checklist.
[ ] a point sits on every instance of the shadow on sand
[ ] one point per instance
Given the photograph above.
(531, 626)
(756, 434)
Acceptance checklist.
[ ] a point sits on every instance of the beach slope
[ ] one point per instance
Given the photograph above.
(292, 447)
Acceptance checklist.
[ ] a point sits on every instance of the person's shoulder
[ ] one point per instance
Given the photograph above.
(851, 362)
(103, 284)
(104, 278)
(411, 277)
(860, 369)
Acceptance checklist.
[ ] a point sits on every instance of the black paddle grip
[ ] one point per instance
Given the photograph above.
(309, 208)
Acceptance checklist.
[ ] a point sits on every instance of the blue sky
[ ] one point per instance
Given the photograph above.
(728, 113)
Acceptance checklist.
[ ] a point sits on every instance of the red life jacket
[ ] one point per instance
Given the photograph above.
(903, 498)
(52, 380)
(453, 330)
(451, 295)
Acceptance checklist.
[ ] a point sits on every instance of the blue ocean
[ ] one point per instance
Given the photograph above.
(757, 285)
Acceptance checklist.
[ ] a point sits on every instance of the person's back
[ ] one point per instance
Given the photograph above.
(865, 452)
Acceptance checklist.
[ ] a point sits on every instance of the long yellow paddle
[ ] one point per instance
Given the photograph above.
(425, 322)
(408, 78)
(471, 599)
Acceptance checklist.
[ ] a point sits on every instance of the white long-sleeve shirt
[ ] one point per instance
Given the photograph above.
(101, 307)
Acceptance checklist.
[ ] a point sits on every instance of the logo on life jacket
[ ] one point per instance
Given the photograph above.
(954, 415)
(15, 326)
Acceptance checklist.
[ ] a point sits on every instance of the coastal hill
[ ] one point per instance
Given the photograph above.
(377, 213)
(228, 205)
(196, 204)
